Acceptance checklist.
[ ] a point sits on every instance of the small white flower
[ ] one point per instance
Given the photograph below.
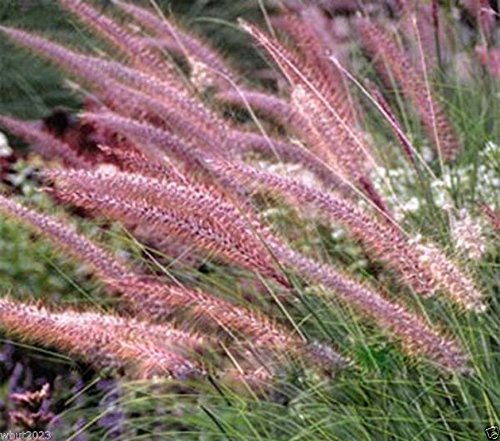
(415, 240)
(490, 148)
(427, 154)
(337, 234)
(5, 149)
(412, 205)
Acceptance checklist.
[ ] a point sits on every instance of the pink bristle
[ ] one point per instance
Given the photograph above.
(44, 143)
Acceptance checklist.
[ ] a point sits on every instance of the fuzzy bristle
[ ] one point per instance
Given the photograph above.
(391, 61)
(141, 350)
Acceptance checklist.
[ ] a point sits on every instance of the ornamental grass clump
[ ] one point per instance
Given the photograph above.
(156, 151)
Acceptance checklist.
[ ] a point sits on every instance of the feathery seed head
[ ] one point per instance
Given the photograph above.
(44, 143)
(66, 237)
(105, 341)
(188, 212)
(392, 62)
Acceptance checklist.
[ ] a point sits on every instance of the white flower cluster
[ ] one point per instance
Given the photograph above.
(480, 181)
(440, 189)
(288, 170)
(488, 178)
(293, 171)
(396, 186)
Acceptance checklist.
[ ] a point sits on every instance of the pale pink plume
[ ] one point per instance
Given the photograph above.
(153, 301)
(139, 53)
(416, 337)
(102, 340)
(329, 131)
(197, 52)
(397, 129)
(263, 103)
(44, 143)
(422, 267)
(484, 14)
(304, 30)
(66, 237)
(490, 58)
(392, 62)
(190, 213)
(91, 70)
(426, 31)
